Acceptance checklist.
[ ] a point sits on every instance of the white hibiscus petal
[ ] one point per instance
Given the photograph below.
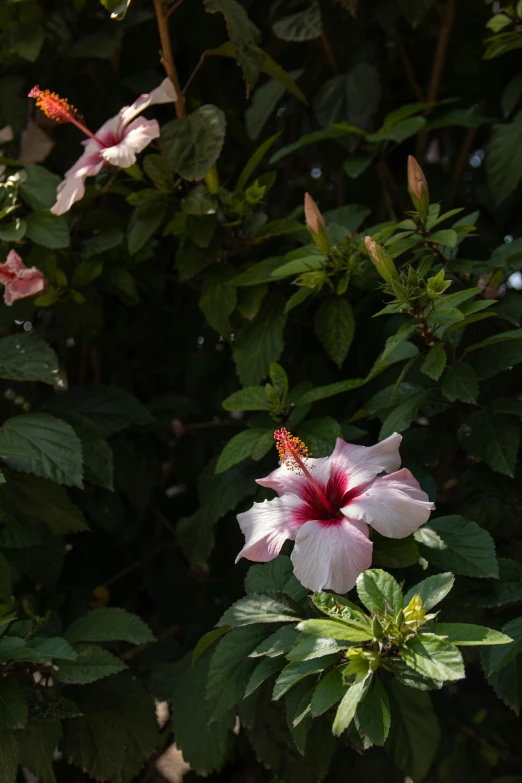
(394, 505)
(331, 556)
(363, 463)
(267, 525)
(165, 93)
(286, 481)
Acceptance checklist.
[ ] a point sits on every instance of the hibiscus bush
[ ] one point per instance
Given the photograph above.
(260, 359)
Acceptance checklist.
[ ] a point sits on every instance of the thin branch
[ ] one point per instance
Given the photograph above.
(174, 7)
(465, 149)
(385, 181)
(194, 72)
(447, 18)
(408, 67)
(329, 52)
(167, 58)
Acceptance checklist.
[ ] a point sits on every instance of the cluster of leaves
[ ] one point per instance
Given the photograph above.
(188, 312)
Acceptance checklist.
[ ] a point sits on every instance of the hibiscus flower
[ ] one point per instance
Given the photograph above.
(19, 280)
(327, 507)
(115, 143)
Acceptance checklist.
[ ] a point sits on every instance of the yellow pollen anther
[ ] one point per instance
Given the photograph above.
(292, 451)
(54, 107)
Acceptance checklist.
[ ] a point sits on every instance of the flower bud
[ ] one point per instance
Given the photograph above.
(316, 225)
(416, 179)
(312, 214)
(385, 266)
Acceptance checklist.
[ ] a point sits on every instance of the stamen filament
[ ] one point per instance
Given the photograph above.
(293, 452)
(60, 110)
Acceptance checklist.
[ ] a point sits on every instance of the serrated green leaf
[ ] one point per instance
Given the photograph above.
(110, 408)
(414, 732)
(271, 607)
(373, 718)
(37, 500)
(46, 229)
(264, 669)
(433, 657)
(461, 383)
(13, 708)
(348, 706)
(297, 670)
(27, 358)
(314, 647)
(459, 545)
(207, 641)
(333, 629)
(277, 643)
(431, 590)
(335, 327)
(231, 669)
(243, 35)
(330, 689)
(253, 398)
(53, 449)
(109, 625)
(191, 145)
(278, 575)
(492, 437)
(37, 745)
(379, 592)
(500, 657)
(466, 634)
(52, 647)
(92, 663)
(238, 448)
(435, 362)
(8, 755)
(261, 342)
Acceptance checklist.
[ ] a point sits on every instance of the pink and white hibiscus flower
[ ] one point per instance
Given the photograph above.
(19, 280)
(115, 143)
(327, 505)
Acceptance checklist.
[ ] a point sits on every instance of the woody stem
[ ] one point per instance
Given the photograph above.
(167, 58)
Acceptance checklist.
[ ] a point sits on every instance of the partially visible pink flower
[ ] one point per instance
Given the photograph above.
(19, 280)
(313, 216)
(327, 505)
(116, 143)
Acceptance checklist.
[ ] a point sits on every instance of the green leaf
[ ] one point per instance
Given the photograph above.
(98, 465)
(491, 437)
(231, 669)
(379, 592)
(446, 237)
(50, 648)
(37, 745)
(53, 449)
(435, 362)
(330, 689)
(431, 590)
(86, 272)
(278, 575)
(348, 706)
(433, 657)
(314, 647)
(333, 629)
(253, 398)
(394, 552)
(109, 625)
(38, 190)
(298, 670)
(243, 35)
(27, 358)
(264, 669)
(122, 703)
(143, 224)
(500, 657)
(47, 230)
(414, 732)
(335, 327)
(205, 745)
(460, 383)
(8, 755)
(504, 158)
(262, 608)
(279, 379)
(254, 161)
(13, 648)
(458, 545)
(110, 408)
(259, 273)
(207, 641)
(399, 132)
(302, 26)
(36, 500)
(218, 299)
(191, 145)
(400, 418)
(320, 435)
(260, 343)
(373, 717)
(277, 643)
(351, 97)
(466, 634)
(6, 586)
(16, 536)
(92, 663)
(13, 709)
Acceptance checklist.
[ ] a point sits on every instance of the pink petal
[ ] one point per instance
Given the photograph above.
(137, 136)
(72, 187)
(21, 288)
(363, 463)
(331, 556)
(394, 505)
(165, 93)
(266, 527)
(13, 262)
(286, 481)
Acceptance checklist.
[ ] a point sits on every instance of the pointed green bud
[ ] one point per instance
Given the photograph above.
(385, 266)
